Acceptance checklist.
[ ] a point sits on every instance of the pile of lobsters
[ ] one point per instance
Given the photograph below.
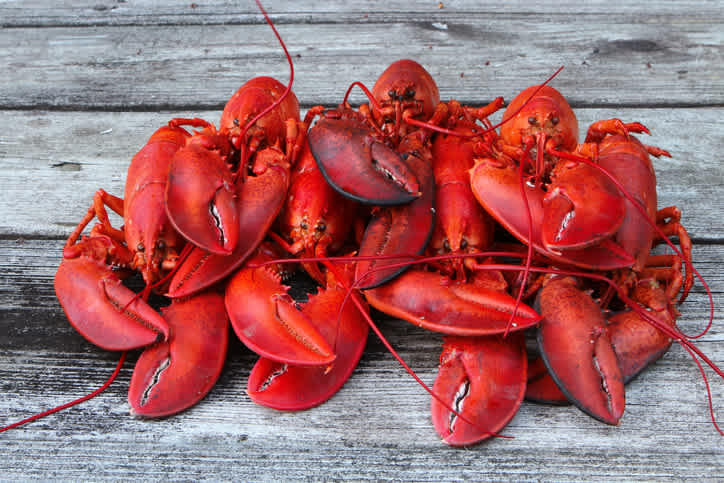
(530, 250)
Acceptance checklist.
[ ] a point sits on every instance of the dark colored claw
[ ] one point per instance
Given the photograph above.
(582, 208)
(262, 198)
(290, 388)
(576, 348)
(201, 199)
(176, 374)
(404, 230)
(356, 164)
(432, 301)
(97, 306)
(483, 379)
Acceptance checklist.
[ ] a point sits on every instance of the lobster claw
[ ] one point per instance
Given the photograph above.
(201, 197)
(405, 229)
(267, 319)
(497, 187)
(177, 373)
(483, 379)
(577, 350)
(97, 304)
(582, 207)
(287, 387)
(432, 301)
(541, 387)
(357, 164)
(262, 197)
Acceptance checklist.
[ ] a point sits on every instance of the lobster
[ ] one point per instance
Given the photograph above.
(111, 316)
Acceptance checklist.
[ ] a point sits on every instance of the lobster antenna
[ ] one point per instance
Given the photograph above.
(286, 92)
(72, 403)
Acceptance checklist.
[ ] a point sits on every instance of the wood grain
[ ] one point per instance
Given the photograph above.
(84, 86)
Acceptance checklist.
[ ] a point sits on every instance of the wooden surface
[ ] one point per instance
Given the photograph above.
(82, 89)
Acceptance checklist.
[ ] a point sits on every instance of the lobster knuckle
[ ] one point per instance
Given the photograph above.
(431, 301)
(268, 321)
(201, 199)
(288, 387)
(484, 380)
(97, 306)
(359, 166)
(578, 352)
(175, 374)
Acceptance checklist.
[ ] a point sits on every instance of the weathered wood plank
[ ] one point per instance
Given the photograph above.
(376, 427)
(182, 12)
(52, 162)
(609, 60)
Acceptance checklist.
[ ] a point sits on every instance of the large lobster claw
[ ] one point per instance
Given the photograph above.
(576, 347)
(582, 207)
(262, 198)
(432, 301)
(287, 387)
(399, 230)
(358, 164)
(267, 319)
(201, 196)
(175, 374)
(497, 187)
(483, 379)
(97, 304)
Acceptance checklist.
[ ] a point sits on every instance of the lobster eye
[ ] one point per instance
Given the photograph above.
(409, 93)
(392, 93)
(532, 121)
(463, 243)
(161, 245)
(446, 245)
(140, 248)
(321, 226)
(303, 225)
(555, 121)
(236, 121)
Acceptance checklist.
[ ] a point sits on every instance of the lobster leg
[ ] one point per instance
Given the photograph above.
(177, 373)
(577, 350)
(483, 379)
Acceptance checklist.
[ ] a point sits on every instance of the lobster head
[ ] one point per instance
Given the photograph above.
(540, 112)
(405, 89)
(251, 99)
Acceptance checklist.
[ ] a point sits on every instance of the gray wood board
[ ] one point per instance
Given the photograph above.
(85, 84)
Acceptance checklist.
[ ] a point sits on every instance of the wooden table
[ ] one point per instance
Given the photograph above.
(84, 86)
